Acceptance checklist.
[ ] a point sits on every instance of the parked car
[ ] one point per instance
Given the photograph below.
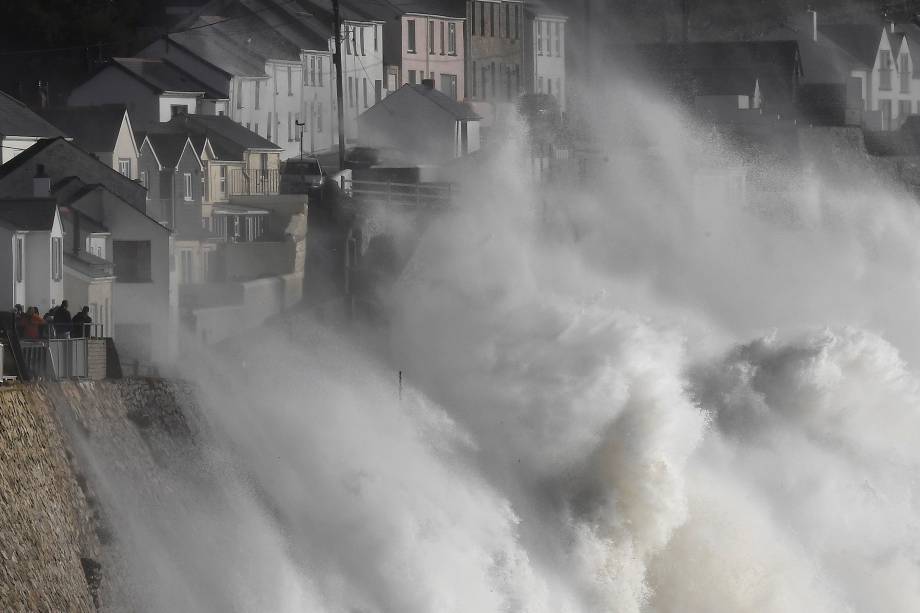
(301, 175)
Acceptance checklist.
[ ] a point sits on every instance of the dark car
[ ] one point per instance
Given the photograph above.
(301, 176)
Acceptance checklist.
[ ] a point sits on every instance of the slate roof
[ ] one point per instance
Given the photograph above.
(168, 147)
(164, 76)
(220, 53)
(459, 110)
(229, 139)
(859, 40)
(30, 214)
(386, 10)
(16, 119)
(93, 128)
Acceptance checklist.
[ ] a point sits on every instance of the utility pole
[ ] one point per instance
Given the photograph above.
(337, 60)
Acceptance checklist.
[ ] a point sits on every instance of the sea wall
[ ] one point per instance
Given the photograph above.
(56, 547)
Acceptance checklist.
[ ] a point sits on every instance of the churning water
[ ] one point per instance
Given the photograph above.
(644, 393)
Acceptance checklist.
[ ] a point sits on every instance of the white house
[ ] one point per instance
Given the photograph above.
(31, 236)
(20, 128)
(104, 130)
(423, 123)
(154, 90)
(544, 53)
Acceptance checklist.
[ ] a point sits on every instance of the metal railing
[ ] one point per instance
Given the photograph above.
(52, 330)
(402, 194)
(254, 182)
(56, 358)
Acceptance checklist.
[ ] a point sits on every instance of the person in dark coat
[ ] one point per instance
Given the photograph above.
(62, 319)
(80, 323)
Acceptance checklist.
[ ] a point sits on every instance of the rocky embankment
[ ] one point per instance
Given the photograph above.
(57, 549)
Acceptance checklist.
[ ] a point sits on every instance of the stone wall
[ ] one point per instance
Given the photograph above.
(96, 358)
(45, 526)
(57, 551)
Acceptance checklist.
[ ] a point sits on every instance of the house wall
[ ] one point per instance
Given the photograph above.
(484, 49)
(361, 69)
(13, 146)
(201, 260)
(8, 285)
(421, 61)
(146, 162)
(545, 57)
(212, 169)
(144, 304)
(125, 148)
(318, 102)
(112, 85)
(37, 274)
(81, 291)
(165, 102)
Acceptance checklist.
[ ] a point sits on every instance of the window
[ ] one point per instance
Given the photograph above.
(319, 116)
(132, 261)
(378, 90)
(185, 266)
(558, 39)
(442, 36)
(492, 19)
(143, 180)
(364, 90)
(268, 126)
(452, 38)
(430, 36)
(57, 258)
(258, 86)
(290, 128)
(508, 9)
(884, 69)
(222, 180)
(509, 93)
(188, 185)
(493, 80)
(485, 90)
(20, 258)
(885, 107)
(362, 42)
(239, 94)
(124, 167)
(539, 25)
(410, 46)
(256, 129)
(375, 39)
(290, 82)
(297, 129)
(319, 69)
(351, 91)
(539, 85)
(412, 80)
(312, 80)
(449, 85)
(482, 18)
(178, 109)
(905, 74)
(903, 110)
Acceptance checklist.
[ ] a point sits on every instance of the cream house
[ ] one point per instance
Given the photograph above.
(104, 130)
(20, 128)
(31, 236)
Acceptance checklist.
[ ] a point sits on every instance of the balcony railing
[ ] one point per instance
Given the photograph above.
(254, 182)
(56, 358)
(402, 194)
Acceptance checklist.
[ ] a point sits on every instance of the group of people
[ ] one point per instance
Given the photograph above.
(56, 323)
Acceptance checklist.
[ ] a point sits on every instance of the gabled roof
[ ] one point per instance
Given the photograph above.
(859, 40)
(16, 119)
(169, 147)
(459, 110)
(63, 159)
(93, 128)
(78, 189)
(28, 214)
(163, 76)
(228, 139)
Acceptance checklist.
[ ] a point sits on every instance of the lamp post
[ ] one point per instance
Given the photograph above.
(300, 124)
(337, 60)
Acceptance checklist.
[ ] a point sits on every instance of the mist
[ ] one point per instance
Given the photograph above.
(640, 393)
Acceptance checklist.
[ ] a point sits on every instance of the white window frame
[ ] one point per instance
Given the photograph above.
(188, 186)
(124, 164)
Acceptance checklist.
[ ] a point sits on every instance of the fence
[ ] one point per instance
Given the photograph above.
(402, 194)
(254, 182)
(57, 358)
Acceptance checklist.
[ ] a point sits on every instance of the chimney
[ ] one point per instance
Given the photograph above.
(428, 83)
(41, 183)
(813, 23)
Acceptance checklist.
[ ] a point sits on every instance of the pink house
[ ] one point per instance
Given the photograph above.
(428, 44)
